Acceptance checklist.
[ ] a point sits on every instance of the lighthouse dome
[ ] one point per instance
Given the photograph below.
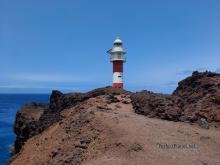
(117, 47)
(118, 41)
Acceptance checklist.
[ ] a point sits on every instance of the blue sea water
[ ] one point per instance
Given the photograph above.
(9, 105)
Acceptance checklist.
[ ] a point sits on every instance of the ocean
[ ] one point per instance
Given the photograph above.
(9, 105)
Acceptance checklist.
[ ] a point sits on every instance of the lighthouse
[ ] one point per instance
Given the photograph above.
(117, 57)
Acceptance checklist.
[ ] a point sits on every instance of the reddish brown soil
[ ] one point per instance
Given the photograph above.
(99, 131)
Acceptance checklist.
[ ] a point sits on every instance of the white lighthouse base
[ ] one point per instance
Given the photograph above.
(118, 79)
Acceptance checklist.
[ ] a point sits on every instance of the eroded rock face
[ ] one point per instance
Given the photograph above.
(26, 123)
(157, 105)
(196, 97)
(200, 94)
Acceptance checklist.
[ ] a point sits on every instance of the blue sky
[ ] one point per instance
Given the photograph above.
(56, 44)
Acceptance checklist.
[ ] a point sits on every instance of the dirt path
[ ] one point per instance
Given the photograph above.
(138, 140)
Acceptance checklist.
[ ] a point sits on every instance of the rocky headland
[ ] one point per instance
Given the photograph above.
(114, 126)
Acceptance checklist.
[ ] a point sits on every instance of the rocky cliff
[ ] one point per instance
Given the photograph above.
(100, 126)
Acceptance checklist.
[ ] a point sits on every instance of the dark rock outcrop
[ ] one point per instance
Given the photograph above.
(157, 105)
(196, 97)
(26, 123)
(200, 94)
(60, 101)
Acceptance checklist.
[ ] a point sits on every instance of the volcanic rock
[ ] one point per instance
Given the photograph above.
(26, 123)
(157, 105)
(196, 97)
(200, 94)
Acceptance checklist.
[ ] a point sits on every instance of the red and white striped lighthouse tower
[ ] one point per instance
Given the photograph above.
(117, 56)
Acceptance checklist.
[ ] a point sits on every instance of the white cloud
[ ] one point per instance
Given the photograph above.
(218, 70)
(41, 82)
(189, 72)
(45, 77)
(26, 86)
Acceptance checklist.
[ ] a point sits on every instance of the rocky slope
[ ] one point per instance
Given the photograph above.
(36, 117)
(100, 127)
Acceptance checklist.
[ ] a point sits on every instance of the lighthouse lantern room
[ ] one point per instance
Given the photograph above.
(117, 57)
